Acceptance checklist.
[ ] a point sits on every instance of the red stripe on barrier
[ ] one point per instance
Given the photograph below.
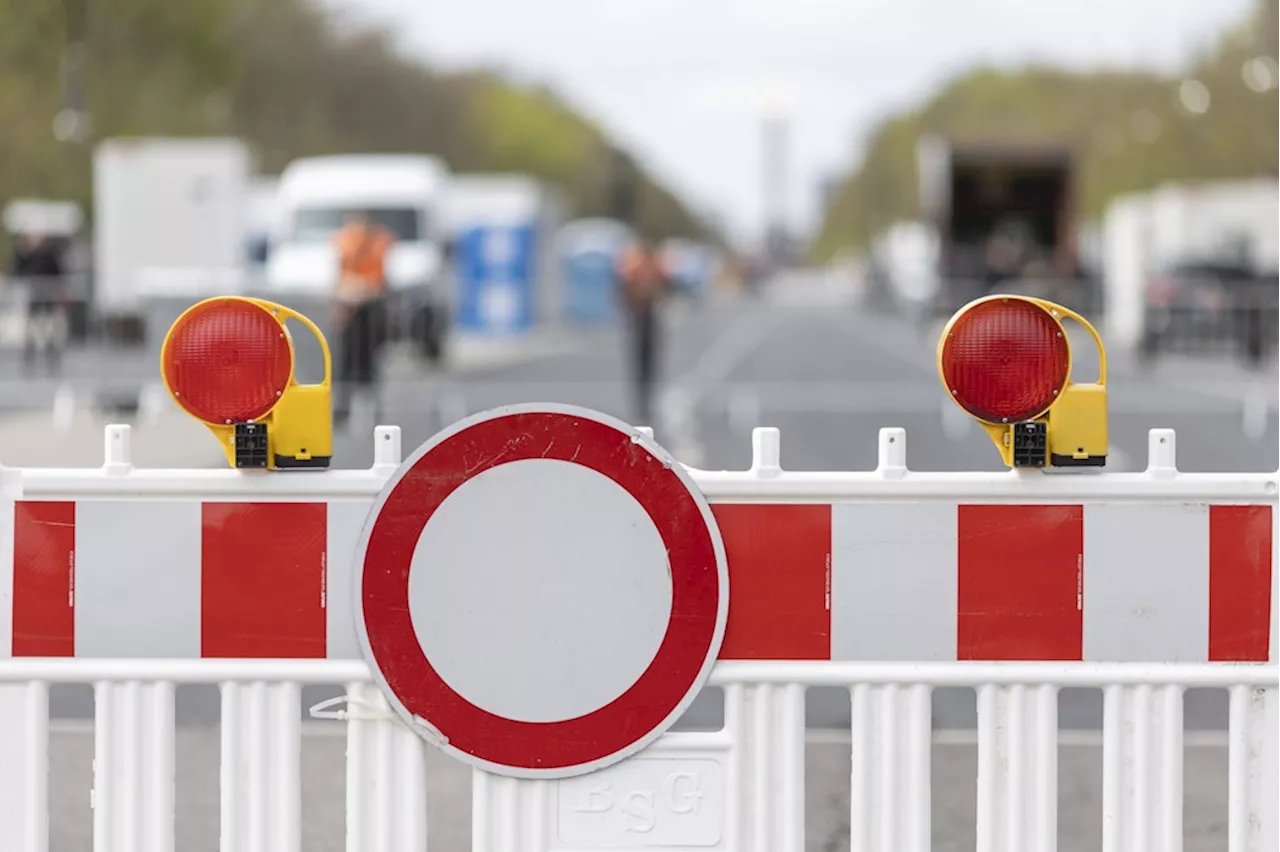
(263, 577)
(779, 581)
(1239, 583)
(1021, 583)
(44, 572)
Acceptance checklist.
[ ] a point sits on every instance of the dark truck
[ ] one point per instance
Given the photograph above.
(1005, 218)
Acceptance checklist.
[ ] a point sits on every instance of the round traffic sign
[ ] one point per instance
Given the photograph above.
(540, 590)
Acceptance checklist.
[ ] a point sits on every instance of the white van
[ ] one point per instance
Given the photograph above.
(405, 193)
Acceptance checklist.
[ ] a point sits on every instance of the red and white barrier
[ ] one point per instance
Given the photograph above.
(1017, 575)
(888, 582)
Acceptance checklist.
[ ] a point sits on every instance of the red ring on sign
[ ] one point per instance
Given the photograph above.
(695, 590)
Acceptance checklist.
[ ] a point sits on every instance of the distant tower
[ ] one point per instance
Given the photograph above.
(71, 122)
(775, 141)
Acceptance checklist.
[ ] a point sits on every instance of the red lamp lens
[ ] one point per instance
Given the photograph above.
(227, 360)
(1004, 361)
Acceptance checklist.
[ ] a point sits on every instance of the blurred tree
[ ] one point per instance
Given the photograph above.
(1129, 130)
(290, 79)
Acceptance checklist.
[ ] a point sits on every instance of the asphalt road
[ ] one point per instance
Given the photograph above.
(829, 378)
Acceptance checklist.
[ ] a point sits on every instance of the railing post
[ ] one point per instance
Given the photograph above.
(386, 777)
(1017, 768)
(24, 709)
(1269, 789)
(890, 795)
(133, 767)
(261, 772)
(766, 727)
(1142, 769)
(1253, 763)
(24, 766)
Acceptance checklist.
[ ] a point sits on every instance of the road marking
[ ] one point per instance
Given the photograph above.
(900, 340)
(813, 736)
(678, 408)
(677, 423)
(727, 351)
(1255, 410)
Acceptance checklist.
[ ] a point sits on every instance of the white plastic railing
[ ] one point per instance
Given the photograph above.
(748, 777)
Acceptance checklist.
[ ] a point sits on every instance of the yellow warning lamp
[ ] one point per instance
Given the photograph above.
(229, 362)
(1006, 360)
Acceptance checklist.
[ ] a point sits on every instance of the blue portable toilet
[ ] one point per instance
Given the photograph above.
(502, 227)
(495, 275)
(588, 250)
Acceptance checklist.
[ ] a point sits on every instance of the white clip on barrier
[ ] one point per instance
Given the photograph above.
(1162, 453)
(386, 449)
(766, 451)
(893, 453)
(117, 452)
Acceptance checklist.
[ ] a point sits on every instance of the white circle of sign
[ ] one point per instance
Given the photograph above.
(510, 642)
(541, 590)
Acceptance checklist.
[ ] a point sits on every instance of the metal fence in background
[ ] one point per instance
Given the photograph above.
(52, 344)
(1212, 310)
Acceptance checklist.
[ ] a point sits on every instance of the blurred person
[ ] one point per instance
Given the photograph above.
(644, 281)
(1002, 254)
(37, 264)
(360, 314)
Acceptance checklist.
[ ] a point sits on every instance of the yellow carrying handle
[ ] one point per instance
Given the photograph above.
(282, 313)
(1058, 312)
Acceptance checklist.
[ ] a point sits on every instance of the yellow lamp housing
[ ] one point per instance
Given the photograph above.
(1070, 430)
(229, 362)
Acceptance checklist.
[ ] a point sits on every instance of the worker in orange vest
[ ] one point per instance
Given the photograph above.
(644, 280)
(360, 316)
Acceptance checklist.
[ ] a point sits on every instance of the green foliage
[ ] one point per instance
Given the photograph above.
(291, 80)
(1128, 130)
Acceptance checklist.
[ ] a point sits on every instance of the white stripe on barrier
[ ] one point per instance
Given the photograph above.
(111, 620)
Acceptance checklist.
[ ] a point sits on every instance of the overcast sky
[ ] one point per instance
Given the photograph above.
(684, 83)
